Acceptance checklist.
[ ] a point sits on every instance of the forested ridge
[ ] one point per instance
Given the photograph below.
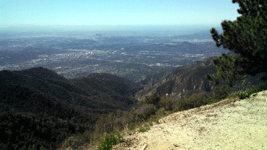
(41, 108)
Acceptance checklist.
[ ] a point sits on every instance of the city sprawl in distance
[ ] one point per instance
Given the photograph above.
(132, 55)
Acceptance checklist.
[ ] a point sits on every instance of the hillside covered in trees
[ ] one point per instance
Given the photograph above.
(39, 107)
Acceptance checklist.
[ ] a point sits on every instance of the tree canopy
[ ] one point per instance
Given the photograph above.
(246, 37)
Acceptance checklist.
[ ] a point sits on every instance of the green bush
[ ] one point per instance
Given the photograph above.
(239, 94)
(144, 128)
(110, 139)
(247, 93)
(259, 87)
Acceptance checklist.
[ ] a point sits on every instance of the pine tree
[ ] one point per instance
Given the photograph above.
(247, 38)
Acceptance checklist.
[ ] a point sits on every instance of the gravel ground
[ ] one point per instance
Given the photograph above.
(229, 124)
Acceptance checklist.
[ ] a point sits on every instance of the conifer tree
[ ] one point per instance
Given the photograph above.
(247, 38)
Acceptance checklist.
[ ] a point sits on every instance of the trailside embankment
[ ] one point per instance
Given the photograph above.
(228, 124)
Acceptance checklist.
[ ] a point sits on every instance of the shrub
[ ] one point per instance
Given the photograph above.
(105, 123)
(153, 99)
(220, 92)
(159, 102)
(144, 128)
(145, 111)
(247, 93)
(239, 94)
(34, 131)
(195, 100)
(259, 87)
(166, 103)
(110, 139)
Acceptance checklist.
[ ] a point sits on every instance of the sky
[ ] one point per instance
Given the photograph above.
(116, 12)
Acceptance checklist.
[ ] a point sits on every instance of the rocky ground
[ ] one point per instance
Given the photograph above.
(228, 124)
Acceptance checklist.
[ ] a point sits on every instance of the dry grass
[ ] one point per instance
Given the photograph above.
(152, 111)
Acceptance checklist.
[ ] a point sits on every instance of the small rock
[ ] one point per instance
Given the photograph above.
(253, 95)
(144, 147)
(176, 145)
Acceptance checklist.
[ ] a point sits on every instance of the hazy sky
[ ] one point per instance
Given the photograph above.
(116, 12)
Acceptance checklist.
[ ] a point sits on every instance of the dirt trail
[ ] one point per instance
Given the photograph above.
(229, 124)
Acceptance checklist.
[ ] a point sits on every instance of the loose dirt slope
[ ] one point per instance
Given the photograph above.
(229, 124)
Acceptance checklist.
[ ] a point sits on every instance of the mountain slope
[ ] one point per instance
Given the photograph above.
(41, 86)
(236, 124)
(41, 108)
(26, 99)
(183, 81)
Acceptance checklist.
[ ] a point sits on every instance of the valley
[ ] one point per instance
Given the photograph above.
(65, 86)
(128, 56)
